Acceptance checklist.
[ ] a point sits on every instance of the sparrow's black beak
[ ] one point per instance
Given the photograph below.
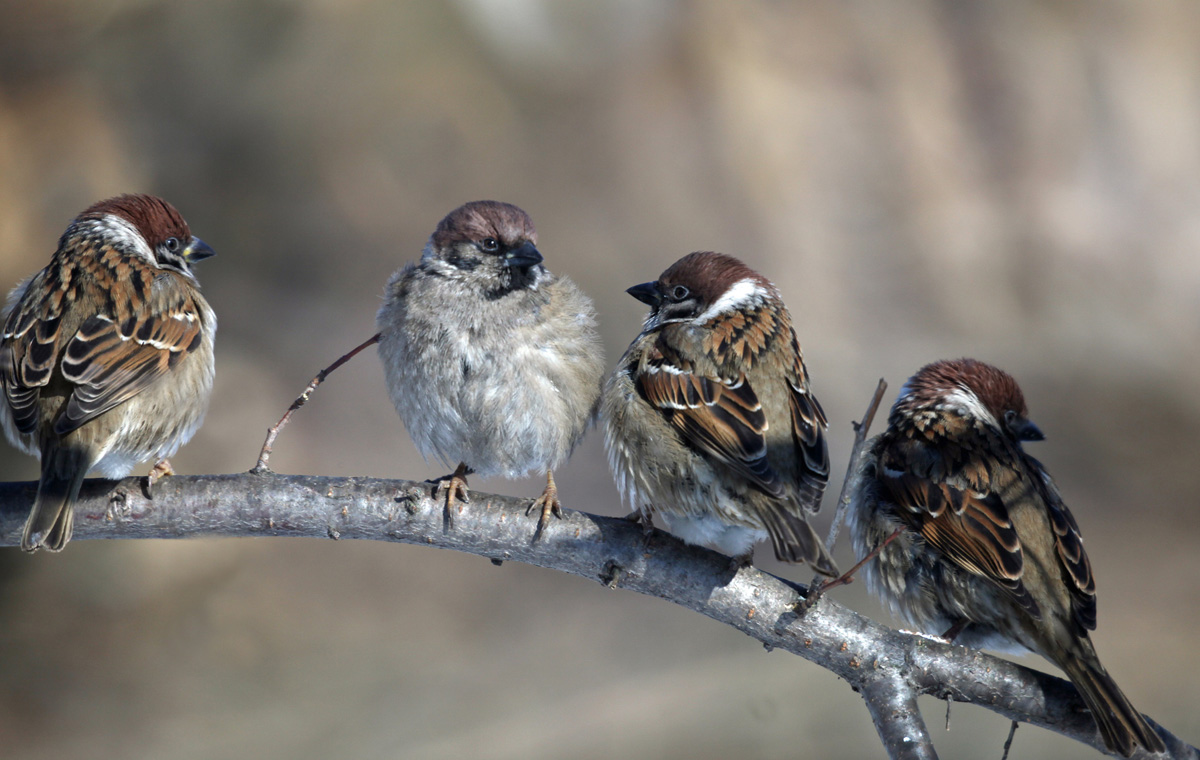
(1027, 431)
(524, 257)
(198, 250)
(647, 293)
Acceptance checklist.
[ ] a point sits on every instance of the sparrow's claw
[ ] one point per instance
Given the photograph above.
(455, 486)
(161, 469)
(548, 503)
(644, 517)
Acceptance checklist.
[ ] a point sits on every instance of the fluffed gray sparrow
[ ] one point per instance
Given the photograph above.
(106, 358)
(708, 417)
(988, 554)
(492, 362)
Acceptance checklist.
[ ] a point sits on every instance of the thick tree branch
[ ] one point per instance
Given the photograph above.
(892, 702)
(612, 551)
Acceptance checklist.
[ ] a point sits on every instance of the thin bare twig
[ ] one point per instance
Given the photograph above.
(1008, 743)
(848, 576)
(860, 439)
(272, 433)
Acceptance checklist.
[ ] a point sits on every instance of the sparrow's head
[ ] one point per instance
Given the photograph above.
(700, 287)
(489, 243)
(970, 389)
(139, 225)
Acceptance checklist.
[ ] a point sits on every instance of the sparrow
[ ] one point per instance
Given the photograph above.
(708, 417)
(988, 555)
(491, 361)
(106, 358)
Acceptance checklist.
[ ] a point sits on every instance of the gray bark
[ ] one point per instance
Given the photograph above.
(888, 667)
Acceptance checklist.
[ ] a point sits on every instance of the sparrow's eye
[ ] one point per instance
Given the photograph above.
(172, 245)
(490, 244)
(1010, 417)
(679, 292)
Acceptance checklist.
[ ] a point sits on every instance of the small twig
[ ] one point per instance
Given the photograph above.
(819, 588)
(860, 439)
(1008, 744)
(273, 432)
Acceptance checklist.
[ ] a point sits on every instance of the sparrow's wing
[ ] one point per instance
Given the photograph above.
(1068, 542)
(969, 526)
(111, 359)
(720, 417)
(28, 350)
(808, 433)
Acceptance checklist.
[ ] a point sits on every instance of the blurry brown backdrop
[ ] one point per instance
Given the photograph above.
(1016, 181)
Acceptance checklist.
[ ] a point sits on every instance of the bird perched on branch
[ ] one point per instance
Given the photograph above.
(708, 417)
(492, 362)
(106, 358)
(988, 555)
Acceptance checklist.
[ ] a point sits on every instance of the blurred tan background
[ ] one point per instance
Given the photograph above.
(1016, 181)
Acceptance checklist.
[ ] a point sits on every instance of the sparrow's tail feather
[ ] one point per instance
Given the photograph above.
(1122, 727)
(795, 541)
(53, 515)
(811, 490)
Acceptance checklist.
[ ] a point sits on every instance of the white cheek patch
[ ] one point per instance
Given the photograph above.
(123, 234)
(740, 294)
(970, 405)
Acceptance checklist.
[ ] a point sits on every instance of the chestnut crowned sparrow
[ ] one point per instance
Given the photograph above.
(492, 362)
(708, 417)
(989, 555)
(106, 358)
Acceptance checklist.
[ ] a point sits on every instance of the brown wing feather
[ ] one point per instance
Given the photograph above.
(113, 356)
(808, 434)
(110, 362)
(1068, 541)
(28, 353)
(721, 417)
(972, 529)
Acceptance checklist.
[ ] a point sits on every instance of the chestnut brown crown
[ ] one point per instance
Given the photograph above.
(479, 221)
(698, 281)
(941, 385)
(159, 233)
(487, 246)
(155, 219)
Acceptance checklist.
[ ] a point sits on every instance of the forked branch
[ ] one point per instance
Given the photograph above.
(888, 667)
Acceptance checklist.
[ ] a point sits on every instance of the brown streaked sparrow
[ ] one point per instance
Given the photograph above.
(708, 417)
(492, 362)
(989, 555)
(106, 358)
